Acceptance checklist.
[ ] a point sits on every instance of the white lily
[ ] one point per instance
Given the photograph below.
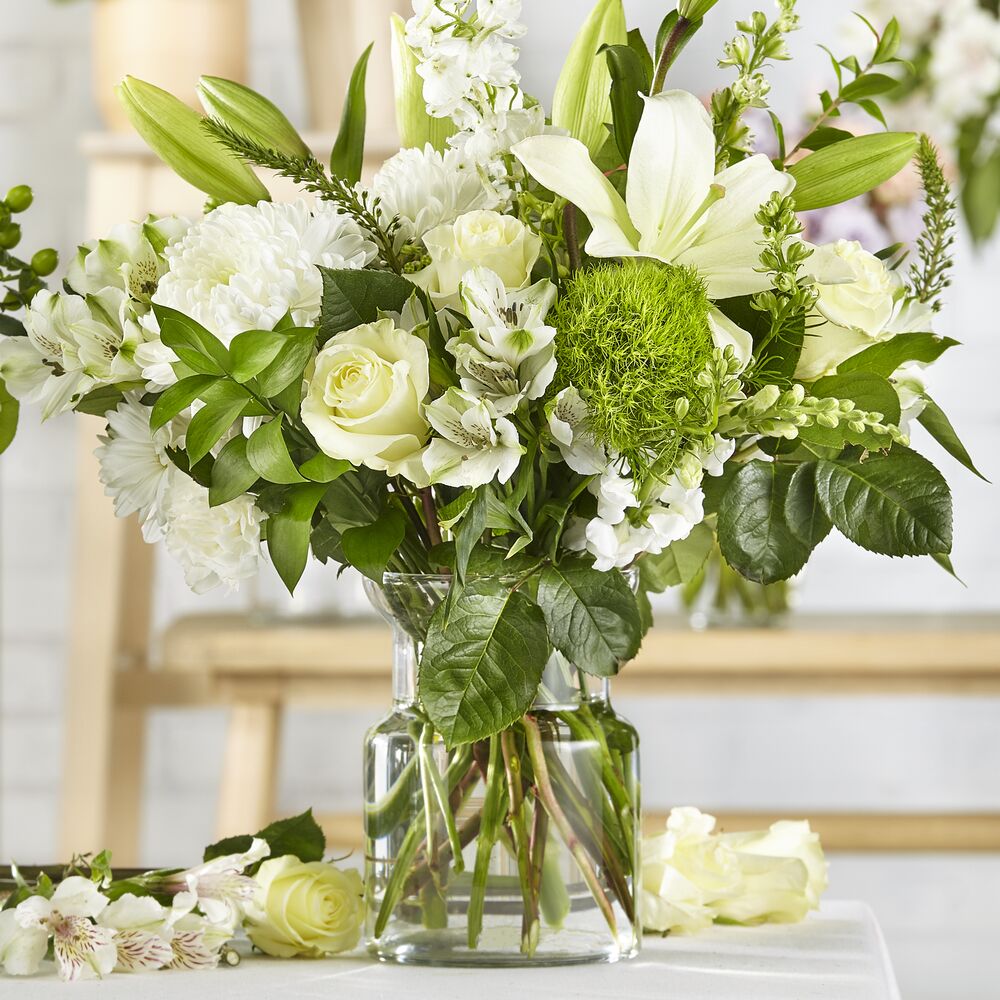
(676, 208)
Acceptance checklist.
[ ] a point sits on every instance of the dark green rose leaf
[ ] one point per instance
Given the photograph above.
(482, 663)
(933, 419)
(895, 504)
(593, 617)
(352, 297)
(369, 548)
(885, 358)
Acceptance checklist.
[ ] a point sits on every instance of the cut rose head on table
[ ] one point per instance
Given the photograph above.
(546, 363)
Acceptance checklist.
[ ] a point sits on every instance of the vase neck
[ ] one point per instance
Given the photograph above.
(405, 657)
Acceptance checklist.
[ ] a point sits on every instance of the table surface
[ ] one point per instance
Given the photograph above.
(836, 954)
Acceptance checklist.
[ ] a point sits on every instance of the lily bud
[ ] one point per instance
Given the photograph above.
(416, 126)
(582, 100)
(251, 114)
(695, 10)
(174, 132)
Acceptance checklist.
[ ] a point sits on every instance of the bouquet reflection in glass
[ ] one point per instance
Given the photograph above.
(517, 849)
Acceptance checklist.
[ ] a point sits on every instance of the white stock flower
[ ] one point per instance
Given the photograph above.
(82, 949)
(613, 546)
(134, 466)
(910, 388)
(862, 302)
(483, 238)
(568, 425)
(244, 267)
(676, 208)
(713, 460)
(142, 932)
(426, 188)
(218, 887)
(965, 62)
(475, 446)
(509, 353)
(215, 546)
(615, 495)
(365, 400)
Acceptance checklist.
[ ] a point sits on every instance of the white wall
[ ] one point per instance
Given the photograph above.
(796, 754)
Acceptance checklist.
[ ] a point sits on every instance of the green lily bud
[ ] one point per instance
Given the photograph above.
(695, 10)
(10, 235)
(19, 198)
(582, 100)
(44, 262)
(416, 127)
(174, 132)
(251, 114)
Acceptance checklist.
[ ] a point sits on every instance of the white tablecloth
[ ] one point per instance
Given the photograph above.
(837, 954)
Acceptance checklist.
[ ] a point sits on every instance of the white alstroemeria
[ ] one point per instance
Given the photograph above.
(22, 368)
(218, 887)
(134, 465)
(105, 345)
(21, 948)
(424, 189)
(196, 941)
(509, 353)
(713, 460)
(82, 949)
(129, 258)
(568, 424)
(215, 546)
(615, 495)
(142, 932)
(475, 445)
(676, 208)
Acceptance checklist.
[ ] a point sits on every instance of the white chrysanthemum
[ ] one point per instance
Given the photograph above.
(134, 465)
(425, 188)
(216, 546)
(243, 267)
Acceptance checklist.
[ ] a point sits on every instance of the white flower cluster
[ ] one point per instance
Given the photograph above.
(627, 526)
(92, 936)
(91, 337)
(692, 876)
(467, 62)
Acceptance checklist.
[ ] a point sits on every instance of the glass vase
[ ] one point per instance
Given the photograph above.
(521, 849)
(719, 597)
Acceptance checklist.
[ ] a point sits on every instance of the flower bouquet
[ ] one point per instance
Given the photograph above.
(539, 367)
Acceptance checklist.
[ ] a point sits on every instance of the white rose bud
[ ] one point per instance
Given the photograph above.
(310, 909)
(477, 239)
(365, 400)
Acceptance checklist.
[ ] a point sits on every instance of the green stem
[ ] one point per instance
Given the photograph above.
(519, 835)
(671, 50)
(489, 830)
(440, 794)
(547, 797)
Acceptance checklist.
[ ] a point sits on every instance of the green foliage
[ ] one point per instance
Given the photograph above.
(896, 504)
(593, 618)
(199, 349)
(929, 276)
(634, 339)
(848, 168)
(289, 530)
(482, 661)
(872, 395)
(232, 473)
(267, 453)
(352, 297)
(21, 280)
(679, 563)
(301, 836)
(179, 397)
(369, 548)
(9, 409)
(225, 402)
(771, 520)
(885, 358)
(934, 421)
(628, 83)
(349, 150)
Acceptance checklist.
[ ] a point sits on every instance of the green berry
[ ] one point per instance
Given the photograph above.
(10, 235)
(19, 198)
(44, 262)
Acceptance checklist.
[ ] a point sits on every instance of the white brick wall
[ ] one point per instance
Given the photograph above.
(875, 753)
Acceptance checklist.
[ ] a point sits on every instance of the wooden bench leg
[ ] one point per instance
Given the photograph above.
(249, 770)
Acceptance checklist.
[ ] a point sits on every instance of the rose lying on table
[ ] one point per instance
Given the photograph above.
(292, 904)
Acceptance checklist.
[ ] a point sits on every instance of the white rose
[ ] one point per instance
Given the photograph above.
(305, 908)
(365, 400)
(477, 239)
(860, 299)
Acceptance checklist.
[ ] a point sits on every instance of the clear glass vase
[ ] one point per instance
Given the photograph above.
(517, 850)
(719, 597)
